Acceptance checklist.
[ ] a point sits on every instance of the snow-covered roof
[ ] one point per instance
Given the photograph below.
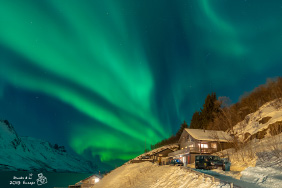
(153, 153)
(172, 147)
(209, 135)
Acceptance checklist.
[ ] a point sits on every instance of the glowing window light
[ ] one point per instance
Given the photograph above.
(203, 145)
(97, 180)
(213, 145)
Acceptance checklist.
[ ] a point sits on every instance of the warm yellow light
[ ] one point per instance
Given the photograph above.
(203, 145)
(97, 180)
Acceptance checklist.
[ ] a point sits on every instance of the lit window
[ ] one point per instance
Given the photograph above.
(203, 145)
(181, 148)
(213, 145)
(185, 146)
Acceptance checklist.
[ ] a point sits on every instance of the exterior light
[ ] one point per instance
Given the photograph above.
(97, 180)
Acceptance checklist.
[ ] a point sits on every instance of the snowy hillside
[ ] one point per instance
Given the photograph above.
(267, 170)
(258, 162)
(26, 153)
(149, 175)
(267, 115)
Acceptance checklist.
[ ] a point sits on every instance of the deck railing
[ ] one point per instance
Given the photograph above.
(203, 150)
(192, 150)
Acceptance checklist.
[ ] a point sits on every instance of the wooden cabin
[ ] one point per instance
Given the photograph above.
(198, 141)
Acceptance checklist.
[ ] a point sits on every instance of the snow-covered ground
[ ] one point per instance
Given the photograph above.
(267, 172)
(149, 175)
(263, 177)
(259, 162)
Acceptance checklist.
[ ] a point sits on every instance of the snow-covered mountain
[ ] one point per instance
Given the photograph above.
(264, 122)
(30, 154)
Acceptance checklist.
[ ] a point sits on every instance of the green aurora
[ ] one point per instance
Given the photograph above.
(134, 69)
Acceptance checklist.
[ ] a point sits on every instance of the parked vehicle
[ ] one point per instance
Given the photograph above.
(208, 162)
(176, 162)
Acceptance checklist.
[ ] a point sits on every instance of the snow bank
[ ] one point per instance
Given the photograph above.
(260, 161)
(264, 177)
(149, 175)
(267, 172)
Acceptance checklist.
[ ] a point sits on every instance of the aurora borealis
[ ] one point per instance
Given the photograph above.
(105, 77)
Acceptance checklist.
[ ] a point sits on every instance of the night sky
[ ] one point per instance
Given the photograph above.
(104, 77)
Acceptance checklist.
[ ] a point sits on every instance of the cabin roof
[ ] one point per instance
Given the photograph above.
(154, 153)
(209, 135)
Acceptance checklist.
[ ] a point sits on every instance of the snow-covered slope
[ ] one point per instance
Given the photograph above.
(26, 153)
(267, 114)
(258, 162)
(267, 170)
(269, 177)
(149, 175)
